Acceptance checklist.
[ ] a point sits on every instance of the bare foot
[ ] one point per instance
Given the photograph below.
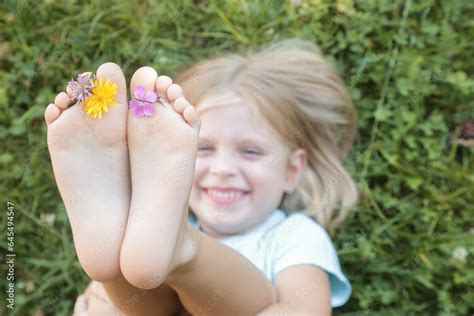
(91, 167)
(163, 151)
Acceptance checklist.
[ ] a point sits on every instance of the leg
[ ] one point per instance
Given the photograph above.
(90, 164)
(162, 157)
(160, 245)
(220, 281)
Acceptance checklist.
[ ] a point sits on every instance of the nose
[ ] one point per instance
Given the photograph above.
(223, 164)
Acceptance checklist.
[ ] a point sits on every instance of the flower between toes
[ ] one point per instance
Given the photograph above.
(142, 103)
(102, 97)
(81, 87)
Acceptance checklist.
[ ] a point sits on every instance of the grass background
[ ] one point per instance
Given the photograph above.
(408, 66)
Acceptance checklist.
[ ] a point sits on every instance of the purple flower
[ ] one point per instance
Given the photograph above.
(142, 103)
(80, 89)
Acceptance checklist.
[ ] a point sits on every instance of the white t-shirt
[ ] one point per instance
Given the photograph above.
(287, 239)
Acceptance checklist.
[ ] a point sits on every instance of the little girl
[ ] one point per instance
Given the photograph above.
(211, 201)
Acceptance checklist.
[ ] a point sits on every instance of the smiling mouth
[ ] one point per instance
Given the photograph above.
(225, 197)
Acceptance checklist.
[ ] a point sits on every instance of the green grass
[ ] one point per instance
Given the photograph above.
(408, 65)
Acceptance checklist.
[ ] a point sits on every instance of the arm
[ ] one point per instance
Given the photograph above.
(301, 290)
(220, 281)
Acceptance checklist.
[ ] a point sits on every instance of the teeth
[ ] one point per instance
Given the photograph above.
(232, 195)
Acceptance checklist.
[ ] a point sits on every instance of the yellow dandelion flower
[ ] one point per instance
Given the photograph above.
(103, 96)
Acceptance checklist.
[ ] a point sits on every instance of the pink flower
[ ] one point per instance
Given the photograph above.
(81, 87)
(142, 103)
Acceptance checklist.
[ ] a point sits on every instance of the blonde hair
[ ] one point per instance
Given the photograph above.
(300, 95)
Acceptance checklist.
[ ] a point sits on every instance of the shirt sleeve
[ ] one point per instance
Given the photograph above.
(193, 220)
(300, 240)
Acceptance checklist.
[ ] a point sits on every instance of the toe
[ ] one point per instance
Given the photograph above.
(62, 100)
(113, 72)
(180, 104)
(174, 92)
(144, 76)
(162, 85)
(191, 116)
(51, 113)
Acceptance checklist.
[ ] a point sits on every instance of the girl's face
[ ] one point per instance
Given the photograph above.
(241, 172)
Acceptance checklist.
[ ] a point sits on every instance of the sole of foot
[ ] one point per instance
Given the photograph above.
(163, 151)
(91, 168)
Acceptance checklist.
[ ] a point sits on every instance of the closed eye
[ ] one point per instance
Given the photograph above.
(251, 151)
(204, 147)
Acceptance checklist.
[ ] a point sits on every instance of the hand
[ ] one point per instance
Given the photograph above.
(95, 301)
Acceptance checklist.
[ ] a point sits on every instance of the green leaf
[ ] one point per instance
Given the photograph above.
(382, 113)
(414, 183)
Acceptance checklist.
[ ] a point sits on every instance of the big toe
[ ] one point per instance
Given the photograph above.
(113, 72)
(113, 124)
(144, 76)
